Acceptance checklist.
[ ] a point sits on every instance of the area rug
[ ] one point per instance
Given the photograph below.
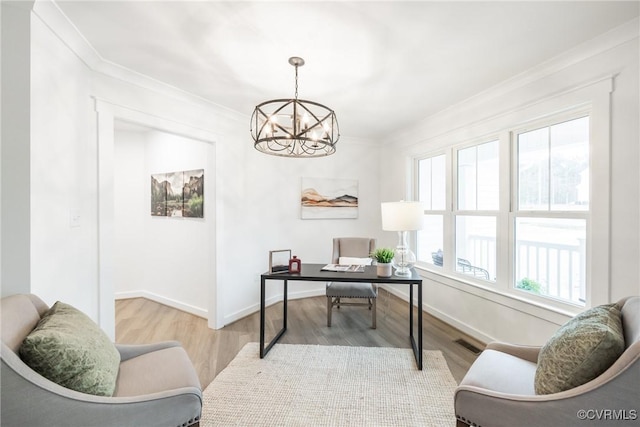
(312, 385)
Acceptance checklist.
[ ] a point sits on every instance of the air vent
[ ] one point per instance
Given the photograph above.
(472, 348)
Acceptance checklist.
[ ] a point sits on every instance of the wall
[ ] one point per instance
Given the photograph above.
(129, 209)
(15, 166)
(265, 206)
(63, 175)
(79, 98)
(256, 196)
(160, 258)
(574, 77)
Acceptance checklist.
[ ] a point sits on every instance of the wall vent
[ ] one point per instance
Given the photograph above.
(472, 348)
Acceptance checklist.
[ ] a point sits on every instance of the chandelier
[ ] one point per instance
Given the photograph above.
(294, 127)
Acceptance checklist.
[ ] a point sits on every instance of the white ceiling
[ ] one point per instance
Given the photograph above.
(379, 65)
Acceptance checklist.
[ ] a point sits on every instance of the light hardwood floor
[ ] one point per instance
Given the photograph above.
(141, 321)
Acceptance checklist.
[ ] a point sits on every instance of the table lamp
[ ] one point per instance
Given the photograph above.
(402, 217)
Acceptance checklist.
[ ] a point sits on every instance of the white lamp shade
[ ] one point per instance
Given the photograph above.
(402, 216)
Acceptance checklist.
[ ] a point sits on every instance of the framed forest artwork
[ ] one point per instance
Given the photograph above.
(178, 194)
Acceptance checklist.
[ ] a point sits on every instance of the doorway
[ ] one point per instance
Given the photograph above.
(134, 250)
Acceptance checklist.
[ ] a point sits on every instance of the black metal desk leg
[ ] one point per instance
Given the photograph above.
(265, 349)
(416, 345)
(420, 324)
(284, 313)
(262, 314)
(411, 310)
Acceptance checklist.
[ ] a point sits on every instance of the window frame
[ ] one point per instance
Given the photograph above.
(594, 99)
(456, 211)
(445, 213)
(515, 212)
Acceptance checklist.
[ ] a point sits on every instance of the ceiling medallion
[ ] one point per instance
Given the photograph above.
(294, 127)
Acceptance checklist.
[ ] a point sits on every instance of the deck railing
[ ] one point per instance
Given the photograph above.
(558, 268)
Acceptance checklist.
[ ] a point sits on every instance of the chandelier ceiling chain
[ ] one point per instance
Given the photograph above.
(294, 127)
(296, 95)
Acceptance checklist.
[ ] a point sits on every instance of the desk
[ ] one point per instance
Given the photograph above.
(314, 273)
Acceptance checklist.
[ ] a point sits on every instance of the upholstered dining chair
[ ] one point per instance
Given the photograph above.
(352, 250)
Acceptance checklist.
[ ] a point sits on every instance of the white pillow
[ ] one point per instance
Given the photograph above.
(357, 261)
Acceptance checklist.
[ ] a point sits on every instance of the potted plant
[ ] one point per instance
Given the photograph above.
(383, 257)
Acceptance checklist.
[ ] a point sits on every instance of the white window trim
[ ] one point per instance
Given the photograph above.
(514, 212)
(593, 98)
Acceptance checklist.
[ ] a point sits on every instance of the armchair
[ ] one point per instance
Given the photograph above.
(156, 384)
(498, 390)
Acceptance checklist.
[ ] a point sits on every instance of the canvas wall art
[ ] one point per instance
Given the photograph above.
(328, 198)
(159, 194)
(178, 194)
(174, 193)
(193, 194)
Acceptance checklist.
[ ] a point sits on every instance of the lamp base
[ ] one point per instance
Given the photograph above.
(403, 258)
(403, 272)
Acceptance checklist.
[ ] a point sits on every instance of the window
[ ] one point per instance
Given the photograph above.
(432, 193)
(553, 167)
(478, 173)
(552, 196)
(476, 246)
(517, 216)
(478, 192)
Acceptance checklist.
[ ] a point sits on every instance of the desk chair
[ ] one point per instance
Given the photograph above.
(352, 250)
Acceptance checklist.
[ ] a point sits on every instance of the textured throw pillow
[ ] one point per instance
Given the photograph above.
(580, 350)
(68, 348)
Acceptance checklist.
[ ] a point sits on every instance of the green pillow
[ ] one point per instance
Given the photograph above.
(582, 349)
(68, 348)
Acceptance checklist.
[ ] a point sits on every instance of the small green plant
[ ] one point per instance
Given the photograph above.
(530, 285)
(383, 255)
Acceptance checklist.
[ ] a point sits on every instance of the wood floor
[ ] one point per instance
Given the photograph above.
(141, 321)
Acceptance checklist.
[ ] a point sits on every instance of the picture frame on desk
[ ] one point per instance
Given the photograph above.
(279, 261)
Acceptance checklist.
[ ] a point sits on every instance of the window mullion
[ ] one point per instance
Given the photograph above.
(504, 231)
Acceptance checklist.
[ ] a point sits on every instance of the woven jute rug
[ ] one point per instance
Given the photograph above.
(311, 385)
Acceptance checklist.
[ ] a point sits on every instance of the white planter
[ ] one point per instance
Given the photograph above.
(384, 270)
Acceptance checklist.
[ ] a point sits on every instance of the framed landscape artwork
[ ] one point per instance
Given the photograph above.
(159, 194)
(193, 194)
(174, 193)
(328, 198)
(178, 194)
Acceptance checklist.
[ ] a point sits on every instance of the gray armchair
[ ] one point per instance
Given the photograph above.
(156, 385)
(498, 390)
(352, 247)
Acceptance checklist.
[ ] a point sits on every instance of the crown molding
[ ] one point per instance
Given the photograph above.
(61, 26)
(607, 41)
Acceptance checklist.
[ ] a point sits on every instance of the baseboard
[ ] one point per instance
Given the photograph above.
(463, 327)
(270, 301)
(200, 312)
